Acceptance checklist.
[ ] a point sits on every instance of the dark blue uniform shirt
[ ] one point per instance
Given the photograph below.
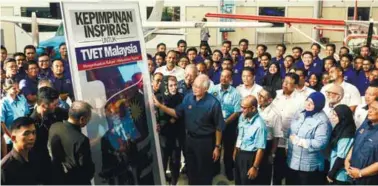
(350, 76)
(365, 150)
(183, 88)
(201, 117)
(362, 82)
(29, 86)
(215, 75)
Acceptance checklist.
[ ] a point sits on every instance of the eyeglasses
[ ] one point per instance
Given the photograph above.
(329, 93)
(260, 95)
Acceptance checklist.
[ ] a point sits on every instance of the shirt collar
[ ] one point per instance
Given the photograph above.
(18, 156)
(250, 120)
(173, 70)
(227, 90)
(11, 100)
(302, 89)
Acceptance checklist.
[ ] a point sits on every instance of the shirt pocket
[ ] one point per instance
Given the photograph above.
(368, 147)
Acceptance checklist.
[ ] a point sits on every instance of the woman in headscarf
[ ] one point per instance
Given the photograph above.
(314, 82)
(273, 78)
(340, 143)
(309, 134)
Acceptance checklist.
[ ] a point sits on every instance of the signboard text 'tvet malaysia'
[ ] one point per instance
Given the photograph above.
(100, 56)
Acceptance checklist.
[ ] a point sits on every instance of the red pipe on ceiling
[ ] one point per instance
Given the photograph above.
(275, 19)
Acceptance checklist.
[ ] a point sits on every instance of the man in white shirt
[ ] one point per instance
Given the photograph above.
(249, 87)
(361, 111)
(334, 95)
(289, 104)
(352, 96)
(301, 89)
(271, 116)
(170, 69)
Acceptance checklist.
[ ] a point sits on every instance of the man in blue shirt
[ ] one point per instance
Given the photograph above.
(297, 54)
(202, 115)
(44, 66)
(315, 49)
(64, 58)
(280, 52)
(229, 99)
(349, 74)
(250, 144)
(60, 82)
(29, 85)
(216, 69)
(362, 161)
(309, 65)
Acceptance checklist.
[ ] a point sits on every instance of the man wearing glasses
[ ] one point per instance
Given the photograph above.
(250, 144)
(272, 118)
(334, 95)
(351, 96)
(44, 66)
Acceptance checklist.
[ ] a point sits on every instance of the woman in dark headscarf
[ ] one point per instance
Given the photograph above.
(273, 78)
(309, 134)
(340, 143)
(315, 82)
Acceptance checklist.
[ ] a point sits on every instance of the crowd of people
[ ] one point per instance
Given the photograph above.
(283, 119)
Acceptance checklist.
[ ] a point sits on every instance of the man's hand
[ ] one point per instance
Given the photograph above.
(354, 172)
(329, 180)
(234, 154)
(252, 173)
(156, 102)
(216, 154)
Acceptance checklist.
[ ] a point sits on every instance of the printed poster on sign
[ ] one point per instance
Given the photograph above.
(108, 65)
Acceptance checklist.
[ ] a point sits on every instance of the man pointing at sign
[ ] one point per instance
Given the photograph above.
(204, 123)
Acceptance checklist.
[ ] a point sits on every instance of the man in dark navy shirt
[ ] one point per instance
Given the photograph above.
(202, 114)
(16, 169)
(44, 66)
(29, 85)
(280, 52)
(216, 69)
(60, 82)
(362, 161)
(349, 74)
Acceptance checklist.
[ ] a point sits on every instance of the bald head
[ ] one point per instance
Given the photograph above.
(335, 94)
(250, 101)
(80, 111)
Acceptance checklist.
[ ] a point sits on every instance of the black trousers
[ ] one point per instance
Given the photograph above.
(171, 152)
(305, 178)
(243, 162)
(265, 171)
(229, 136)
(279, 166)
(199, 159)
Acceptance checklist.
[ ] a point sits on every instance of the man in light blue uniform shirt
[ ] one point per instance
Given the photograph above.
(229, 98)
(250, 144)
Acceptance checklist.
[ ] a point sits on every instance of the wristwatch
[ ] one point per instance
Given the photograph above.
(360, 174)
(257, 168)
(218, 146)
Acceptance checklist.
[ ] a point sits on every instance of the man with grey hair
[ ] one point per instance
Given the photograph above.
(185, 86)
(204, 123)
(70, 149)
(334, 95)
